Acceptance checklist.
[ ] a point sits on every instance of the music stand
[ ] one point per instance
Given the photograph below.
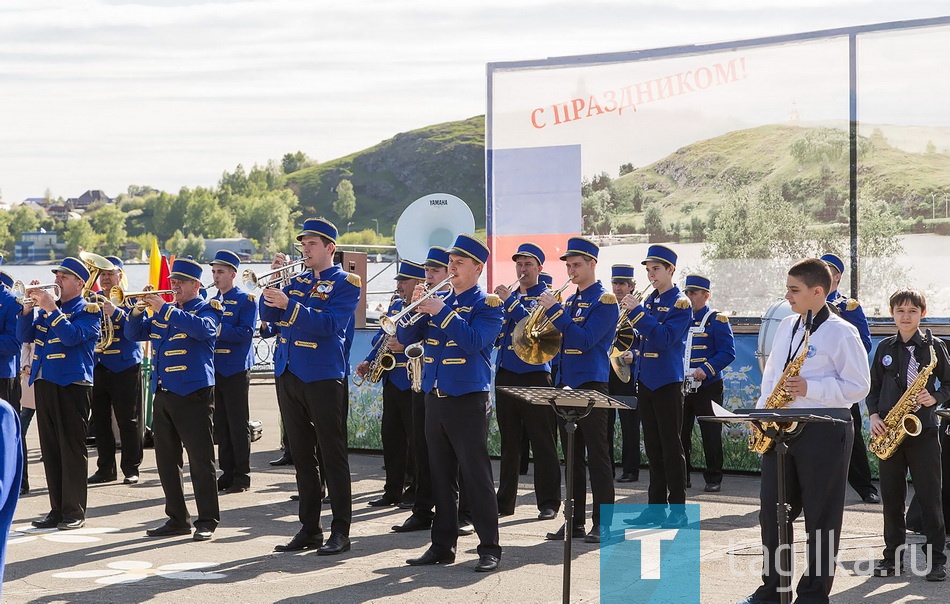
(571, 406)
(780, 434)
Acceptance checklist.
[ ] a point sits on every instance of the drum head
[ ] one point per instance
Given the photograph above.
(770, 322)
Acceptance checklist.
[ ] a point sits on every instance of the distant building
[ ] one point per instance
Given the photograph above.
(38, 246)
(86, 199)
(241, 246)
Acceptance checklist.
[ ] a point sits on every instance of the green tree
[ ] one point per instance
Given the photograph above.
(596, 211)
(653, 221)
(109, 223)
(7, 239)
(23, 220)
(203, 215)
(626, 169)
(345, 204)
(291, 162)
(182, 246)
(79, 236)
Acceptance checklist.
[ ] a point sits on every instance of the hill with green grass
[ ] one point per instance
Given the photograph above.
(808, 166)
(444, 158)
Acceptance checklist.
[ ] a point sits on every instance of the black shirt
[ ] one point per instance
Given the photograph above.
(889, 376)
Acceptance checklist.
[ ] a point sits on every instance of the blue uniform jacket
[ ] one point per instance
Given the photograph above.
(517, 307)
(397, 376)
(662, 322)
(588, 323)
(314, 324)
(64, 341)
(122, 353)
(9, 343)
(233, 352)
(851, 311)
(182, 343)
(458, 342)
(714, 348)
(11, 472)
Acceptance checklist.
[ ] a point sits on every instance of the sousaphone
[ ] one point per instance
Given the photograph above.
(436, 219)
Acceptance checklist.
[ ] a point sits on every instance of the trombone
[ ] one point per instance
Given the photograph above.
(19, 291)
(389, 323)
(274, 277)
(535, 339)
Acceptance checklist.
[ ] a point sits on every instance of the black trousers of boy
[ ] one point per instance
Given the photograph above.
(661, 412)
(396, 432)
(231, 414)
(629, 427)
(119, 394)
(514, 416)
(919, 454)
(590, 437)
(859, 474)
(816, 475)
(696, 404)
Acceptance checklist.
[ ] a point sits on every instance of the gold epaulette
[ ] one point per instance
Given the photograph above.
(251, 298)
(354, 279)
(608, 298)
(722, 318)
(92, 307)
(681, 303)
(851, 305)
(492, 300)
(215, 304)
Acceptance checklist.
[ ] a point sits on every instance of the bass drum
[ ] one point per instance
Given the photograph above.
(770, 322)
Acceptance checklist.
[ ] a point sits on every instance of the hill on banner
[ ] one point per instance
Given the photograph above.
(444, 158)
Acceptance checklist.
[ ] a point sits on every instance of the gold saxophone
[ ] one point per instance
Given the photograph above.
(900, 422)
(779, 399)
(381, 363)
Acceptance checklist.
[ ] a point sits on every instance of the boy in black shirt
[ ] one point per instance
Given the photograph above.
(897, 362)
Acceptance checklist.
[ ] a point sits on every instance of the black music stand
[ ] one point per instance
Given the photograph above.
(781, 436)
(571, 406)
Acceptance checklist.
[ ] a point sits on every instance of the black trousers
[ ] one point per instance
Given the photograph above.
(314, 415)
(230, 428)
(515, 416)
(661, 412)
(919, 454)
(591, 437)
(396, 432)
(629, 427)
(816, 474)
(185, 422)
(859, 471)
(696, 404)
(120, 394)
(457, 437)
(62, 417)
(11, 391)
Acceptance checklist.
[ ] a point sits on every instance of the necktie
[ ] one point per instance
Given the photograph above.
(912, 367)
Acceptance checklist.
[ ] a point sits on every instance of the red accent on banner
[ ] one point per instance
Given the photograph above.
(501, 269)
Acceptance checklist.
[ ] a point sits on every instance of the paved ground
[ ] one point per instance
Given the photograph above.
(111, 560)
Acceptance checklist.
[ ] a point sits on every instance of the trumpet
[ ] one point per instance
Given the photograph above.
(19, 291)
(535, 339)
(274, 277)
(121, 298)
(516, 283)
(389, 323)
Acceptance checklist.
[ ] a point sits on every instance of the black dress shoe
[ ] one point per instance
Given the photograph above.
(465, 529)
(384, 501)
(168, 530)
(406, 504)
(336, 544)
(432, 557)
(236, 488)
(131, 479)
(594, 535)
(713, 487)
(505, 513)
(283, 460)
(224, 483)
(202, 534)
(24, 490)
(871, 497)
(301, 541)
(648, 517)
(47, 523)
(753, 599)
(547, 514)
(628, 477)
(885, 568)
(487, 563)
(70, 525)
(676, 519)
(577, 533)
(938, 573)
(413, 523)
(98, 478)
(689, 483)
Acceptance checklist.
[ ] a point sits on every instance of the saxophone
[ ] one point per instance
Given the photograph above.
(779, 399)
(381, 363)
(900, 422)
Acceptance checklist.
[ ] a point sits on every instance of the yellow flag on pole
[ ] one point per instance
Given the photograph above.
(154, 264)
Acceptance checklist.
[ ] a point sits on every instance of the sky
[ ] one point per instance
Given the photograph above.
(103, 94)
